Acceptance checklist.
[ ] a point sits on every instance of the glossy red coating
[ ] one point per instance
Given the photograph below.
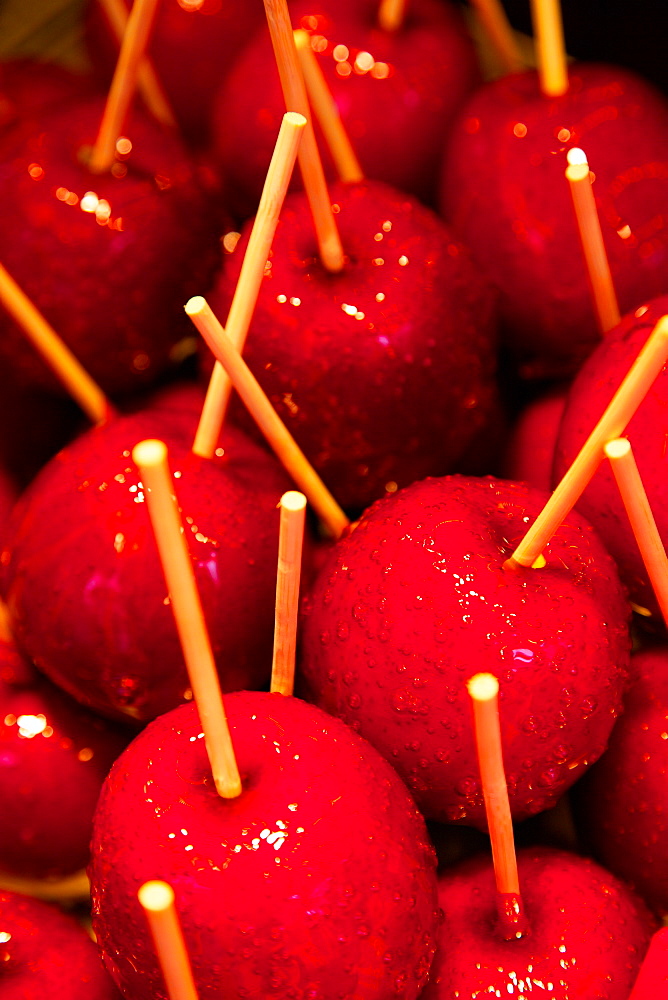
(319, 880)
(385, 372)
(109, 259)
(588, 932)
(624, 801)
(504, 190)
(45, 953)
(414, 602)
(397, 93)
(54, 756)
(85, 587)
(591, 392)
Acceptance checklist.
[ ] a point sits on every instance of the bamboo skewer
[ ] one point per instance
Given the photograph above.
(147, 82)
(326, 112)
(291, 539)
(589, 227)
(634, 498)
(83, 389)
(123, 84)
(150, 457)
(250, 278)
(271, 425)
(294, 93)
(618, 413)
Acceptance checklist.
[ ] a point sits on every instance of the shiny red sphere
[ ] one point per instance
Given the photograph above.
(318, 879)
(383, 373)
(505, 192)
(85, 586)
(414, 602)
(587, 935)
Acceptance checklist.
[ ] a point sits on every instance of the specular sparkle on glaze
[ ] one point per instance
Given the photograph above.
(385, 372)
(414, 601)
(319, 880)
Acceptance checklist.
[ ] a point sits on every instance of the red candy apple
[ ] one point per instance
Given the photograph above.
(397, 92)
(591, 392)
(84, 583)
(505, 193)
(624, 801)
(587, 932)
(383, 373)
(318, 880)
(109, 259)
(45, 953)
(54, 756)
(414, 601)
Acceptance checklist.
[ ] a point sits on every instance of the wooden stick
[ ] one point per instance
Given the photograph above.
(151, 459)
(250, 278)
(157, 901)
(652, 981)
(326, 112)
(269, 422)
(55, 352)
(493, 18)
(391, 14)
(549, 34)
(123, 84)
(290, 543)
(619, 411)
(596, 258)
(294, 93)
(148, 84)
(640, 514)
(484, 692)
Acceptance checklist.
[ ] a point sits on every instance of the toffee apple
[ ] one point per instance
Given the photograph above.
(318, 877)
(623, 803)
(45, 952)
(385, 372)
(416, 599)
(587, 934)
(84, 584)
(503, 190)
(107, 258)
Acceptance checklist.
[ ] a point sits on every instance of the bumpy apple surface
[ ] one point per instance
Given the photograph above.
(587, 936)
(319, 879)
(415, 601)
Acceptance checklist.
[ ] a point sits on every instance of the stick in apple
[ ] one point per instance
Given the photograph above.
(250, 278)
(326, 112)
(271, 425)
(589, 227)
(123, 84)
(551, 52)
(151, 459)
(294, 93)
(290, 544)
(619, 411)
(72, 375)
(493, 18)
(157, 901)
(150, 88)
(641, 518)
(484, 692)
(391, 14)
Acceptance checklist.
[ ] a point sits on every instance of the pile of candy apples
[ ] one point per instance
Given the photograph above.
(405, 378)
